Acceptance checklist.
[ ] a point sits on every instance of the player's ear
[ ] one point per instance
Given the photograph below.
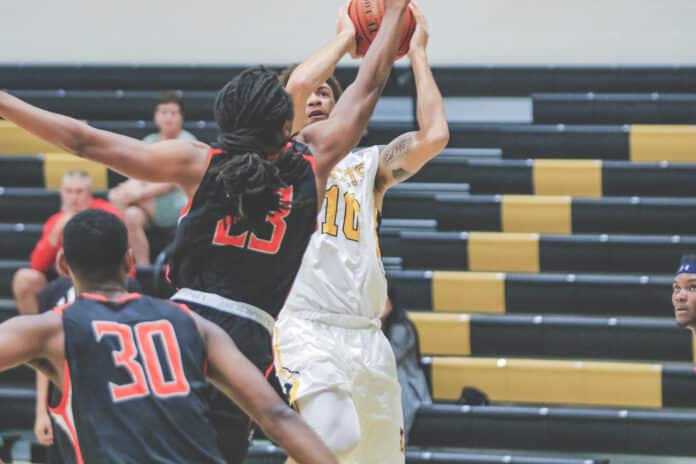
(128, 264)
(62, 265)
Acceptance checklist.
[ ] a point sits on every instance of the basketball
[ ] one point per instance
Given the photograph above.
(367, 17)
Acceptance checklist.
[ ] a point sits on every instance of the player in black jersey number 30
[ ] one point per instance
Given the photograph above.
(132, 369)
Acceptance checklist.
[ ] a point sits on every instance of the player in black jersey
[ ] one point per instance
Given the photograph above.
(58, 292)
(132, 369)
(254, 200)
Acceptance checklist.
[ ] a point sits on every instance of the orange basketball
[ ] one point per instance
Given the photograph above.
(367, 17)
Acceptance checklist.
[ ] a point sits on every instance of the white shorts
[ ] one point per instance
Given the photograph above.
(312, 357)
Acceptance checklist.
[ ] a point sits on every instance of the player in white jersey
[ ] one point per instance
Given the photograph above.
(336, 364)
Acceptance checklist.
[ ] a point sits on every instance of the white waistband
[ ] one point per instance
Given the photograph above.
(219, 303)
(347, 321)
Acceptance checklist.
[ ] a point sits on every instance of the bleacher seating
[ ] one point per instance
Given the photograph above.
(536, 257)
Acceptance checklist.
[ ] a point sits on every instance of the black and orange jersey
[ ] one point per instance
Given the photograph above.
(134, 382)
(219, 255)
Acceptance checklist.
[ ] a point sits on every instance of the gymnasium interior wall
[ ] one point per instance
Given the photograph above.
(464, 32)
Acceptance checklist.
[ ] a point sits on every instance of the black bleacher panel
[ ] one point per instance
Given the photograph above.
(7, 270)
(483, 176)
(135, 77)
(413, 286)
(522, 81)
(613, 253)
(482, 212)
(28, 171)
(560, 294)
(28, 205)
(21, 375)
(633, 215)
(620, 178)
(18, 240)
(115, 105)
(574, 337)
(556, 429)
(659, 216)
(587, 294)
(21, 171)
(592, 108)
(677, 385)
(522, 141)
(626, 254)
(16, 407)
(426, 250)
(7, 309)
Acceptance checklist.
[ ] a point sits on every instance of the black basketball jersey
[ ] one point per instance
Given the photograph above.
(57, 293)
(221, 256)
(134, 387)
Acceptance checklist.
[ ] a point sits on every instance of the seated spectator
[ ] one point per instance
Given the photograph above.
(145, 203)
(403, 338)
(75, 197)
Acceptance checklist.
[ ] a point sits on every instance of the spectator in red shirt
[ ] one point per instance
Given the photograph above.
(75, 197)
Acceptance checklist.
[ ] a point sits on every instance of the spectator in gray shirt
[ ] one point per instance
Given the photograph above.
(146, 203)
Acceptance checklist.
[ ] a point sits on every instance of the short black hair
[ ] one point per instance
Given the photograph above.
(95, 243)
(170, 96)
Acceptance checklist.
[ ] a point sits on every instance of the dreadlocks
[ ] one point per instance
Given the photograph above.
(251, 111)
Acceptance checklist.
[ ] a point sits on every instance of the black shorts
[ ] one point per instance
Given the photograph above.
(234, 428)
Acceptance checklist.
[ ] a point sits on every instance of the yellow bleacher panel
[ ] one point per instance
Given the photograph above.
(503, 252)
(663, 143)
(551, 382)
(468, 292)
(443, 334)
(540, 214)
(568, 177)
(56, 164)
(17, 141)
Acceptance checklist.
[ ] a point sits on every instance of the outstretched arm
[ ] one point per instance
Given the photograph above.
(180, 162)
(26, 339)
(316, 69)
(233, 374)
(332, 139)
(409, 152)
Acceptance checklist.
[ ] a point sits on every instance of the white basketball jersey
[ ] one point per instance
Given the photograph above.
(342, 271)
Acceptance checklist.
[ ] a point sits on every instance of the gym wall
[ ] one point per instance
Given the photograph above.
(464, 32)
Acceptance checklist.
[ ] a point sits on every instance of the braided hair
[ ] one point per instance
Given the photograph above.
(251, 111)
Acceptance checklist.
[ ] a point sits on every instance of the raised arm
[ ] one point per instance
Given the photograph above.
(332, 139)
(180, 162)
(241, 381)
(409, 152)
(316, 69)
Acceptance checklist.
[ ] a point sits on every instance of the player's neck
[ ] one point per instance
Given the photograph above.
(111, 290)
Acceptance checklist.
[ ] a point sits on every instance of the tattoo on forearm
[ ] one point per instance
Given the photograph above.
(393, 155)
(396, 151)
